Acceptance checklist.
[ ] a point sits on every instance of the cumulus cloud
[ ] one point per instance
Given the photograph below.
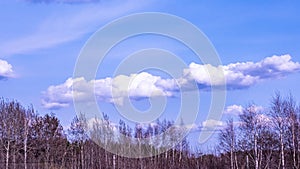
(144, 85)
(264, 119)
(192, 127)
(212, 124)
(255, 108)
(259, 116)
(241, 75)
(238, 109)
(5, 70)
(234, 110)
(92, 122)
(112, 90)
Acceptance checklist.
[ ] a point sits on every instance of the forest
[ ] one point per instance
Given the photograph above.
(259, 139)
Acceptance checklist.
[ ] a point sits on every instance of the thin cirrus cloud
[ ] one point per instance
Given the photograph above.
(67, 27)
(63, 1)
(144, 85)
(6, 70)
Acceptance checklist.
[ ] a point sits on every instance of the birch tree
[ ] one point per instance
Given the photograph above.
(279, 115)
(228, 142)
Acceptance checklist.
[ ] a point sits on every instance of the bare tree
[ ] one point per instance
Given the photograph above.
(252, 127)
(228, 142)
(259, 140)
(293, 124)
(279, 116)
(78, 136)
(29, 115)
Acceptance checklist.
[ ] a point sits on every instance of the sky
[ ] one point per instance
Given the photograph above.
(257, 43)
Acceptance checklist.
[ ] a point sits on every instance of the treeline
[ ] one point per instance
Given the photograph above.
(266, 138)
(31, 141)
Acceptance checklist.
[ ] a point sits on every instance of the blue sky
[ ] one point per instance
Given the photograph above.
(40, 42)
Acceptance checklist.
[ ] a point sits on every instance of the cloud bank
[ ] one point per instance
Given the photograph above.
(144, 85)
(5, 70)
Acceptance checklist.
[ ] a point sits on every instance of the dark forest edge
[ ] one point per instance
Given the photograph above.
(261, 139)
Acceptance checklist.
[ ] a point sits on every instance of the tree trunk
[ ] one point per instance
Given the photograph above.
(231, 159)
(255, 152)
(25, 153)
(247, 161)
(114, 161)
(236, 162)
(25, 142)
(14, 156)
(282, 150)
(81, 156)
(293, 144)
(7, 154)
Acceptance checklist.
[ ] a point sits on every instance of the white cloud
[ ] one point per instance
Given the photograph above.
(101, 123)
(112, 90)
(145, 85)
(259, 117)
(5, 70)
(234, 110)
(193, 127)
(255, 108)
(264, 119)
(54, 105)
(280, 63)
(241, 75)
(238, 109)
(205, 74)
(212, 124)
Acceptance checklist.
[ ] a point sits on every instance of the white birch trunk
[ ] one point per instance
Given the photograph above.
(282, 150)
(7, 154)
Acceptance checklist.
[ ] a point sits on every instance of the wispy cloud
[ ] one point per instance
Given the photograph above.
(63, 1)
(145, 85)
(5, 70)
(68, 26)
